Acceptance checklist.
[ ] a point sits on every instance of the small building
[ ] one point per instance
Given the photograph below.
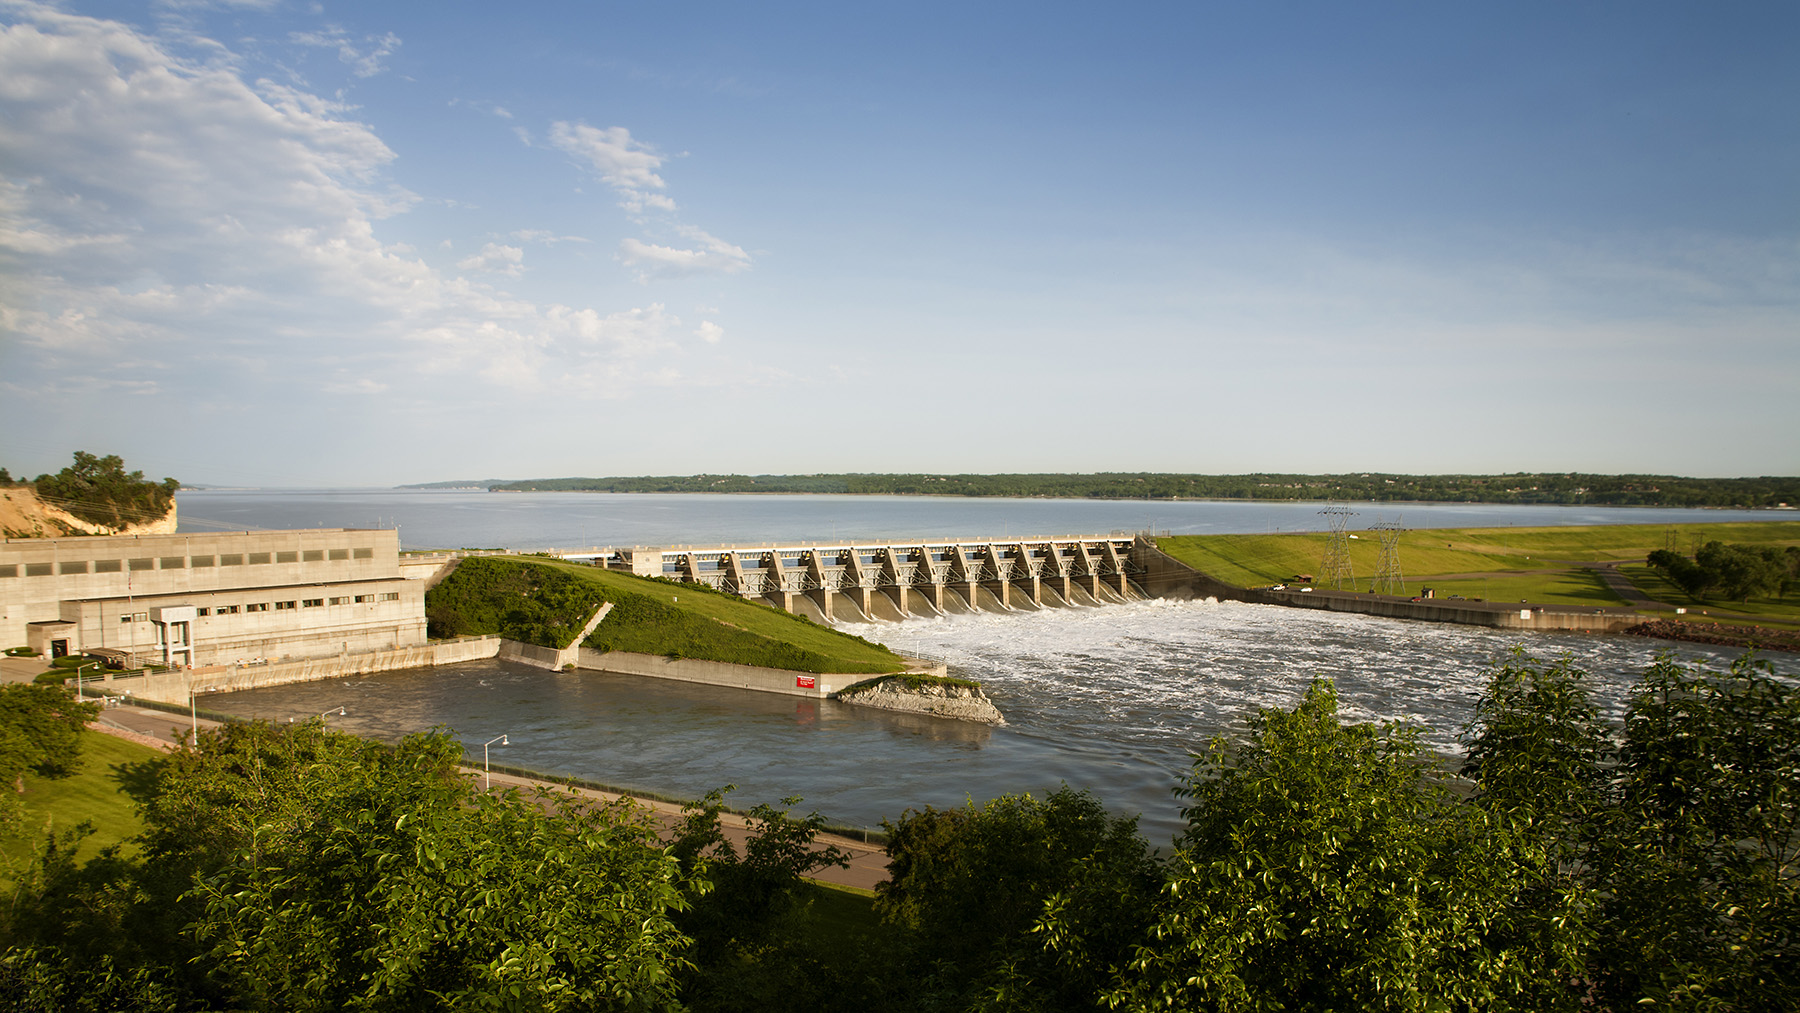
(203, 599)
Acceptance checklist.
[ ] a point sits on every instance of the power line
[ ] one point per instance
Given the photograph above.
(1389, 580)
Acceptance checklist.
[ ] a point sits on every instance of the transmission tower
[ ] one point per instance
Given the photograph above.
(1335, 568)
(1389, 580)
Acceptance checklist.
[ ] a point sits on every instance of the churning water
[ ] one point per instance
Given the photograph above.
(1111, 699)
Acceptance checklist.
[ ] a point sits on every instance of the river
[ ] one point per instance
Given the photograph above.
(1113, 700)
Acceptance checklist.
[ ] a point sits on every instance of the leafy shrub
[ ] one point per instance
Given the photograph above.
(520, 601)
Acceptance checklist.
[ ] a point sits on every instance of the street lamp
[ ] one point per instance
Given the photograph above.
(487, 779)
(340, 713)
(78, 697)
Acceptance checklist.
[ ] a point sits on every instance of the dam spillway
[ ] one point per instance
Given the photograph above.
(869, 581)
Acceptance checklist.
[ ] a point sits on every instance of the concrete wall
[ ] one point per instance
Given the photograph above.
(37, 574)
(173, 687)
(715, 673)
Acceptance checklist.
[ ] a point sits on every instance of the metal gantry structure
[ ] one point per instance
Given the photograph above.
(1335, 570)
(1389, 580)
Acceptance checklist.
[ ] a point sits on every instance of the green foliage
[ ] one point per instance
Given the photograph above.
(40, 730)
(1618, 490)
(1736, 572)
(1699, 863)
(98, 490)
(518, 600)
(46, 980)
(333, 873)
(971, 886)
(1324, 868)
(744, 906)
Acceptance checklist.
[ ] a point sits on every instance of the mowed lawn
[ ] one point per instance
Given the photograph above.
(1498, 564)
(91, 793)
(739, 613)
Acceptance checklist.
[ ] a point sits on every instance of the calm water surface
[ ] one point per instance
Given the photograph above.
(458, 519)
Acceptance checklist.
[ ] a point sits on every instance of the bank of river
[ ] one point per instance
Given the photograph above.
(1111, 699)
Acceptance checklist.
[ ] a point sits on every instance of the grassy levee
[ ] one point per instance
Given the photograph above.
(91, 793)
(648, 617)
(1499, 564)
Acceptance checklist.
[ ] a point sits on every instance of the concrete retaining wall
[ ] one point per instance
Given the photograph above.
(715, 673)
(173, 687)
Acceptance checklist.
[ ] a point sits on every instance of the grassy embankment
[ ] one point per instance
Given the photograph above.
(1540, 565)
(90, 793)
(546, 601)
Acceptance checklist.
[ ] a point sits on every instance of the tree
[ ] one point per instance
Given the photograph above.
(40, 730)
(330, 873)
(1021, 903)
(1700, 862)
(1325, 867)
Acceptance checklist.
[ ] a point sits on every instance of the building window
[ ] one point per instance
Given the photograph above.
(9, 570)
(364, 599)
(143, 563)
(340, 553)
(231, 559)
(80, 567)
(389, 596)
(37, 569)
(340, 601)
(201, 561)
(261, 606)
(258, 558)
(125, 618)
(226, 610)
(203, 611)
(282, 606)
(365, 553)
(312, 603)
(174, 562)
(313, 556)
(287, 557)
(108, 565)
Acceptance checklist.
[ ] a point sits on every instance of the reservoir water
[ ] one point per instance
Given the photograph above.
(1111, 699)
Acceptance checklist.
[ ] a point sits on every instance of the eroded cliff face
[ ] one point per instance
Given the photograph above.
(963, 703)
(24, 515)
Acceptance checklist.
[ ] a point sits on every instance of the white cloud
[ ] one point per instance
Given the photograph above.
(620, 160)
(545, 236)
(496, 259)
(630, 167)
(171, 225)
(713, 256)
(363, 62)
(710, 332)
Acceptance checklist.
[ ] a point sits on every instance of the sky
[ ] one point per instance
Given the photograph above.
(255, 242)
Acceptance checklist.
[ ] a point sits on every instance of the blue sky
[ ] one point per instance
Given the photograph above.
(272, 243)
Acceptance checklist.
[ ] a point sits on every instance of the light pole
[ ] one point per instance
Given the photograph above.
(340, 713)
(78, 697)
(486, 778)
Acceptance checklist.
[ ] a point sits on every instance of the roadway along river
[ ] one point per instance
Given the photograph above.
(1111, 699)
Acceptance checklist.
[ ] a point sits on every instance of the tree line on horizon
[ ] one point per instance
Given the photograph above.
(1565, 864)
(1527, 488)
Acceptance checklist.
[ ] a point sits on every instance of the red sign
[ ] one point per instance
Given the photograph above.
(805, 681)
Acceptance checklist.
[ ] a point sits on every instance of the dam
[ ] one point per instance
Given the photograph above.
(878, 581)
(891, 581)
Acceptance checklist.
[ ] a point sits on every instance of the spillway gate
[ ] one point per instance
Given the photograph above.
(896, 580)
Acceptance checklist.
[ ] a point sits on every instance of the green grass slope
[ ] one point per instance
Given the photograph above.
(648, 617)
(90, 793)
(1499, 564)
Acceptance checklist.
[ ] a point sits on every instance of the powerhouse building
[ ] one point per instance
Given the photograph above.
(210, 599)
